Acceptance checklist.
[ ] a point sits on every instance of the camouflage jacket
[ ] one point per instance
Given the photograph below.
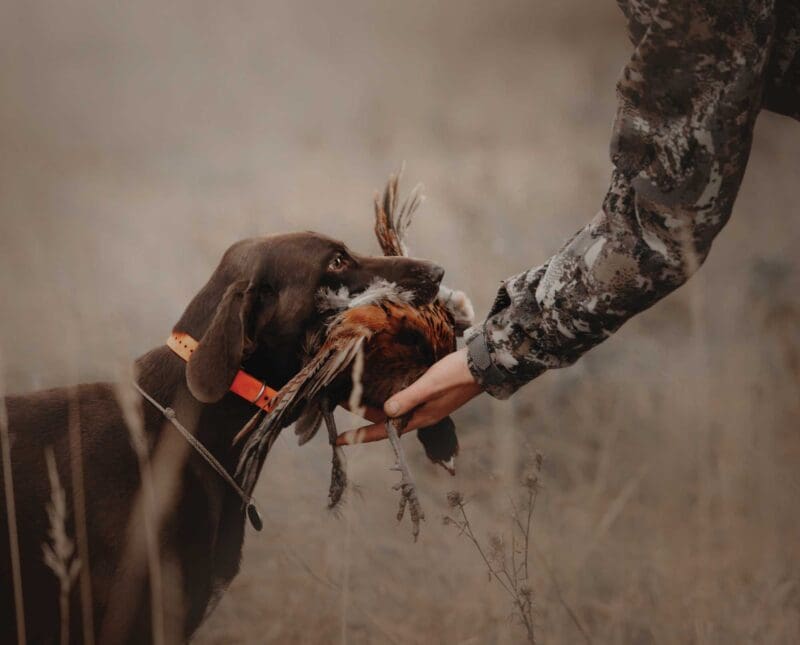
(688, 99)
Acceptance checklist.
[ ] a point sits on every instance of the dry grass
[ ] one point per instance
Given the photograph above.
(11, 513)
(59, 553)
(146, 506)
(507, 563)
(142, 563)
(139, 152)
(79, 506)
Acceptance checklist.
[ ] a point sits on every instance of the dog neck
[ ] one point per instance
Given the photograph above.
(248, 387)
(162, 374)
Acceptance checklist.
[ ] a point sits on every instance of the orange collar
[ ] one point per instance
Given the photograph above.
(246, 386)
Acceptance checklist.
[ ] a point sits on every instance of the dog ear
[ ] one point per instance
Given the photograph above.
(229, 339)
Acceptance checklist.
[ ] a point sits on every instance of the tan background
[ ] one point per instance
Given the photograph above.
(138, 140)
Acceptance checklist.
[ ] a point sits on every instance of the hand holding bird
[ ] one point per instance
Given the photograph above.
(444, 388)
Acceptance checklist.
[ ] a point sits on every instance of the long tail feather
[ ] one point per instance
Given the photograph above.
(330, 362)
(392, 219)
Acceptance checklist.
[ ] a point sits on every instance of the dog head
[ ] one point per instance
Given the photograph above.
(263, 294)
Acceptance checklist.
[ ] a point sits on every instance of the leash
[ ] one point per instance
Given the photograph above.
(169, 414)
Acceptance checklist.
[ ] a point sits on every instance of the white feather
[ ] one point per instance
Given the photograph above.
(459, 305)
(379, 290)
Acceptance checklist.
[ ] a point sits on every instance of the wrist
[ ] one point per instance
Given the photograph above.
(480, 362)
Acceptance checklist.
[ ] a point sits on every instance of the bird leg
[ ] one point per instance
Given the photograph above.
(407, 488)
(338, 474)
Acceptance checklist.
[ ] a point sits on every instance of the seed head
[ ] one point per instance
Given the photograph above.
(497, 548)
(455, 499)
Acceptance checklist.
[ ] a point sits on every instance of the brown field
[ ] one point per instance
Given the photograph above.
(138, 140)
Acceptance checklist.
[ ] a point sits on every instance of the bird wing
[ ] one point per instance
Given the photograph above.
(333, 359)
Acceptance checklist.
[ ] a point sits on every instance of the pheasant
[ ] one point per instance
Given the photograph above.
(372, 345)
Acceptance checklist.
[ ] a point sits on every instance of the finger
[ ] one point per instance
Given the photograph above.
(425, 415)
(450, 372)
(375, 415)
(425, 387)
(367, 434)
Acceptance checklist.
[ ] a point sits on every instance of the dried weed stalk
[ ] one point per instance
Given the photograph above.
(509, 564)
(11, 518)
(59, 553)
(79, 511)
(130, 404)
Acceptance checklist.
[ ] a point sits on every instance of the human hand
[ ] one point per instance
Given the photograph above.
(445, 387)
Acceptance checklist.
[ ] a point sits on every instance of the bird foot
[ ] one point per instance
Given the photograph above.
(338, 479)
(408, 491)
(338, 474)
(408, 497)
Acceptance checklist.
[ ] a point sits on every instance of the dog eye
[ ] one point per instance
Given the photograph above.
(337, 263)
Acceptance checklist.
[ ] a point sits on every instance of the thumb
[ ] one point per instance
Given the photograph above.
(450, 371)
(431, 383)
(408, 399)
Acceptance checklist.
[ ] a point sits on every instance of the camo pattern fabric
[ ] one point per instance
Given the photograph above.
(688, 100)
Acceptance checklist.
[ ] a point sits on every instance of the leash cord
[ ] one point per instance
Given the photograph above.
(169, 414)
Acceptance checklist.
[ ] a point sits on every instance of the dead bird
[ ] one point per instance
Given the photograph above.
(384, 340)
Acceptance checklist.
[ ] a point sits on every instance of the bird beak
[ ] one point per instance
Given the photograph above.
(449, 465)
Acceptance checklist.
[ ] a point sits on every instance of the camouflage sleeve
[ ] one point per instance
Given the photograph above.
(688, 100)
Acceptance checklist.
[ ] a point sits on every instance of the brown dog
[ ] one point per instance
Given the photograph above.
(253, 314)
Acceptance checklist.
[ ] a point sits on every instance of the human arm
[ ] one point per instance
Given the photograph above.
(688, 101)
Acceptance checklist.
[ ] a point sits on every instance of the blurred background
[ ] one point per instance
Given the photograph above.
(139, 140)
